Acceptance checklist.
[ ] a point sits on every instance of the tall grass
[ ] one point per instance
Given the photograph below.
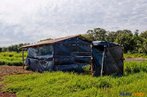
(135, 67)
(59, 84)
(11, 58)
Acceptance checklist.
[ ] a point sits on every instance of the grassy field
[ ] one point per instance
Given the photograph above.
(11, 58)
(15, 59)
(135, 67)
(59, 84)
(69, 84)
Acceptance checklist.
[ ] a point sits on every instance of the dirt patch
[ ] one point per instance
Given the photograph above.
(10, 70)
(135, 59)
(6, 94)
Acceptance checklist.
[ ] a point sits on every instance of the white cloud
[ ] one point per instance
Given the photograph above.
(29, 21)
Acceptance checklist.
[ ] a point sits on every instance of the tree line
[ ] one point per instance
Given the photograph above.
(132, 42)
(15, 48)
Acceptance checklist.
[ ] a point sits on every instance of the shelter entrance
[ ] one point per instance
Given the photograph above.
(107, 59)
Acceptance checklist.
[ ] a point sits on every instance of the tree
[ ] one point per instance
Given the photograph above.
(124, 37)
(0, 49)
(144, 47)
(144, 35)
(16, 48)
(137, 42)
(143, 43)
(96, 34)
(111, 36)
(89, 35)
(100, 34)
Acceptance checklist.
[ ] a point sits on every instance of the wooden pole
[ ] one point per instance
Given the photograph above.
(102, 65)
(23, 58)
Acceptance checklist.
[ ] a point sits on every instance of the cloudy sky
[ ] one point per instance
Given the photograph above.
(31, 20)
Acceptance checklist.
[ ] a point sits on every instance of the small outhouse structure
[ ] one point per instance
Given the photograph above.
(107, 58)
(66, 53)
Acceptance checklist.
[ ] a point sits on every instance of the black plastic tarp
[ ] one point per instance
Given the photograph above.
(107, 58)
(68, 54)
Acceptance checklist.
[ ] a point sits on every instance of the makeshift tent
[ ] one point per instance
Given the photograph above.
(74, 52)
(66, 53)
(107, 58)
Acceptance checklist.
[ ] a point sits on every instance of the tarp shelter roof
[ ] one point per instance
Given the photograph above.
(51, 41)
(104, 44)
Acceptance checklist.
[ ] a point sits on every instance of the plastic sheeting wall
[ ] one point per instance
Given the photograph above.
(113, 61)
(69, 54)
(40, 58)
(72, 54)
(39, 65)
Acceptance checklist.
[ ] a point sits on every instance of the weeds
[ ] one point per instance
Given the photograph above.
(68, 84)
(59, 84)
(135, 67)
(11, 58)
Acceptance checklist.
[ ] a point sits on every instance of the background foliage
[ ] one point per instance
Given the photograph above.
(133, 42)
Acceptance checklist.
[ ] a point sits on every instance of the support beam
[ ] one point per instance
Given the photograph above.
(23, 58)
(103, 60)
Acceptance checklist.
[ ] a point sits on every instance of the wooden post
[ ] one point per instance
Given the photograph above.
(23, 58)
(103, 60)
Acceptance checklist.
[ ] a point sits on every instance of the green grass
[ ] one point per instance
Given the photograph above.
(135, 67)
(11, 58)
(14, 58)
(59, 84)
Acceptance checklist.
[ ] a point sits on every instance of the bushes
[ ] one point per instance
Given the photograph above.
(11, 58)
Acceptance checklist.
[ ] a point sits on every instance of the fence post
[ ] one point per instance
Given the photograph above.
(23, 58)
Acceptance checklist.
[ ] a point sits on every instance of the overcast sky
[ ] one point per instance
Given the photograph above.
(32, 20)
